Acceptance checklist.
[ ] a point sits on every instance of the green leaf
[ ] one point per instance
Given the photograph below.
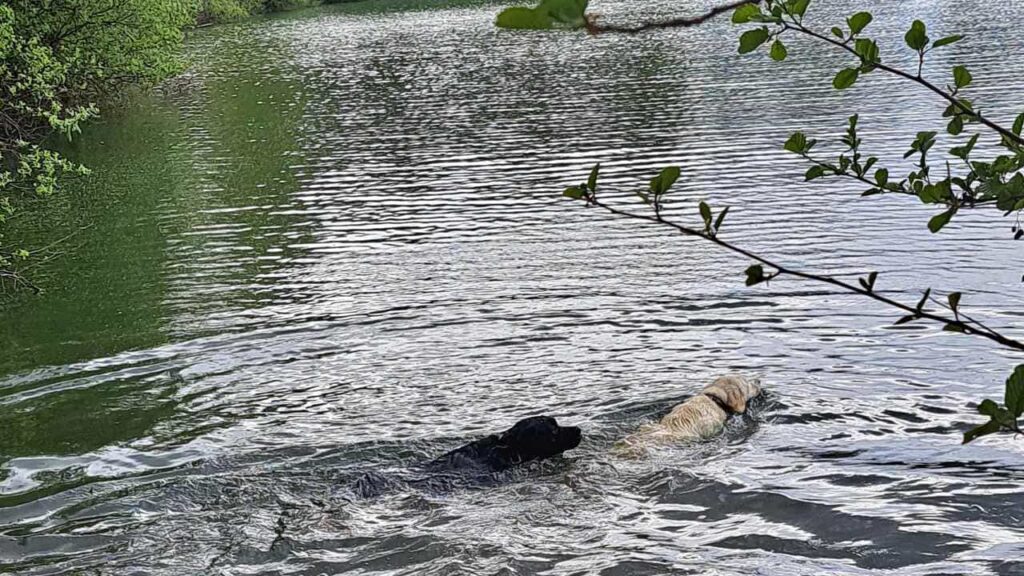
(797, 143)
(814, 172)
(523, 18)
(574, 192)
(938, 193)
(755, 275)
(989, 408)
(1011, 193)
(1018, 125)
(751, 39)
(837, 32)
(859, 22)
(866, 49)
(656, 185)
(922, 144)
(644, 197)
(965, 150)
(882, 176)
(846, 78)
(939, 221)
(721, 218)
(956, 125)
(947, 41)
(772, 19)
(705, 213)
(1015, 392)
(905, 319)
(871, 280)
(1004, 164)
(592, 180)
(917, 36)
(954, 300)
(547, 15)
(954, 328)
(745, 13)
(668, 177)
(799, 7)
(935, 194)
(990, 427)
(569, 13)
(778, 51)
(961, 77)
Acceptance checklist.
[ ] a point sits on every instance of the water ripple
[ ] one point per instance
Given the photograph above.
(361, 260)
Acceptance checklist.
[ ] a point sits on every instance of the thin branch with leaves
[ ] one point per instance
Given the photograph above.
(756, 274)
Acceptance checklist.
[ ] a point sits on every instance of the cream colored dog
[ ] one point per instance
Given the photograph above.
(699, 417)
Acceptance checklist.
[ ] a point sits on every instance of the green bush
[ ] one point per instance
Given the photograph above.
(58, 59)
(212, 11)
(226, 10)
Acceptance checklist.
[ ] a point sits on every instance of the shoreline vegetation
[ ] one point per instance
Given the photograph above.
(211, 12)
(64, 61)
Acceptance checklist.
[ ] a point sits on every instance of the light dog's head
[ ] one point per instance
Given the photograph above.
(734, 391)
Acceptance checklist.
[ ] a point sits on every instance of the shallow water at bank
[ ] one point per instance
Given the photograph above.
(336, 246)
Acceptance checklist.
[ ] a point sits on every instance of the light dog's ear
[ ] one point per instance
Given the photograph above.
(736, 397)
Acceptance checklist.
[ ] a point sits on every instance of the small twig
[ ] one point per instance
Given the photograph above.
(62, 240)
(960, 314)
(16, 279)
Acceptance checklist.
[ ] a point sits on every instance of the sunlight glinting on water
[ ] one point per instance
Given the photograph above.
(360, 259)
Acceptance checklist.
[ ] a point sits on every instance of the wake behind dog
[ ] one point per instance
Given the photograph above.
(699, 417)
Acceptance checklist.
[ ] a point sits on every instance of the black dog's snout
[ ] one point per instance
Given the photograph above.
(573, 435)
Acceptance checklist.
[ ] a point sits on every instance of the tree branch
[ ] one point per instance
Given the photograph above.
(971, 326)
(684, 22)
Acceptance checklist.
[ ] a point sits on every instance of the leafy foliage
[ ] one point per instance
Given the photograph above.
(59, 57)
(230, 10)
(968, 181)
(1002, 417)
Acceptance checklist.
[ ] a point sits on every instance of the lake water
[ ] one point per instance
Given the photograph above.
(337, 246)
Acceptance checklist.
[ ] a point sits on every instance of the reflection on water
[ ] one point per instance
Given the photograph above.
(336, 247)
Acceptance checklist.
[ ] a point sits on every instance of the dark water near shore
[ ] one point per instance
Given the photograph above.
(336, 246)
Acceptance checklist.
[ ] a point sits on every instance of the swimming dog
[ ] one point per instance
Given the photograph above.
(699, 417)
(529, 439)
(479, 461)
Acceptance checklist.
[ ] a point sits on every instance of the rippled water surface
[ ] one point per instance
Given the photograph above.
(336, 246)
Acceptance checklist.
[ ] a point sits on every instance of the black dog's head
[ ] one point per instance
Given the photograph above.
(539, 437)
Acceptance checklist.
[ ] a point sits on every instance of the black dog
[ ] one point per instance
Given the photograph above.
(532, 438)
(477, 462)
